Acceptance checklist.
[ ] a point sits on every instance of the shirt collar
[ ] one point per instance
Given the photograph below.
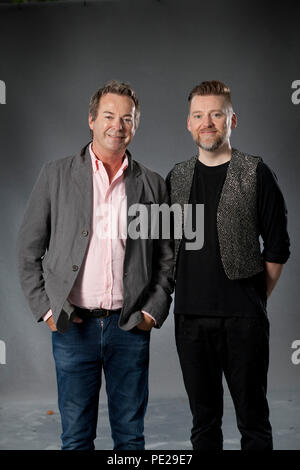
(98, 165)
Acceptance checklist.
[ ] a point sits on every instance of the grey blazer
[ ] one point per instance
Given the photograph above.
(54, 235)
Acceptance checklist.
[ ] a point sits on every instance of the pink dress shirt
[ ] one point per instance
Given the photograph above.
(99, 283)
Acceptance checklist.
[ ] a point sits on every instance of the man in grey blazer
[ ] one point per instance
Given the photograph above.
(99, 289)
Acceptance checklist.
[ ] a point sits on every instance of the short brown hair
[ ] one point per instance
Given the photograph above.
(212, 87)
(118, 88)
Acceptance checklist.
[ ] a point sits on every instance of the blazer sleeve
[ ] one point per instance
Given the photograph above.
(158, 299)
(32, 242)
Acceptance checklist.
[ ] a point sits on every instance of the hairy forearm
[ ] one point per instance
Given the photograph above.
(272, 274)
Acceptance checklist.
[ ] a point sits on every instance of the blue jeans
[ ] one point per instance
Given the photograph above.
(79, 356)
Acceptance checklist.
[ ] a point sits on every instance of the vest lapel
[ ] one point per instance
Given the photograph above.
(181, 184)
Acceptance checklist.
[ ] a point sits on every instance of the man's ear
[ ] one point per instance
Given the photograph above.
(233, 121)
(188, 124)
(91, 122)
(135, 126)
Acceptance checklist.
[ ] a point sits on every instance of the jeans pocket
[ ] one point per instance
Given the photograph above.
(139, 331)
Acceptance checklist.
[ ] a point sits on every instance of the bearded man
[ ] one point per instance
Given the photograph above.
(221, 323)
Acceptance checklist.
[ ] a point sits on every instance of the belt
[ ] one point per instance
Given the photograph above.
(96, 313)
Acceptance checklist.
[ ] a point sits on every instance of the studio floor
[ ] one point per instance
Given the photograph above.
(28, 425)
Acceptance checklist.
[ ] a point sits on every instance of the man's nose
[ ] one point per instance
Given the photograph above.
(119, 123)
(207, 121)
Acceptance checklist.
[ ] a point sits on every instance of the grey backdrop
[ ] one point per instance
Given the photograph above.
(54, 56)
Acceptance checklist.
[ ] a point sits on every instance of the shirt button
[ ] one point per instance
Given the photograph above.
(125, 274)
(75, 267)
(84, 233)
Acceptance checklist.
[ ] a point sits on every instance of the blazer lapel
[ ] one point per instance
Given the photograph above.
(133, 189)
(83, 185)
(133, 183)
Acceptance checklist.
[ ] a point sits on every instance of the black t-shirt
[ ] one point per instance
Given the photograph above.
(202, 287)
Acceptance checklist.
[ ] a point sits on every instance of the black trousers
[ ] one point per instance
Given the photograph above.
(239, 348)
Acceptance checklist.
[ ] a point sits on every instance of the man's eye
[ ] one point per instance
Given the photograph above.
(217, 115)
(108, 117)
(198, 116)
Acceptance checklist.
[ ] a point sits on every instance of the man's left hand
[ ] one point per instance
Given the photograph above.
(146, 324)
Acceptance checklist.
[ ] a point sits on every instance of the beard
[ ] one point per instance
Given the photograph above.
(211, 147)
(213, 144)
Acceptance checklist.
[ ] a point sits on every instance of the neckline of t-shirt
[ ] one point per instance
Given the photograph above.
(212, 168)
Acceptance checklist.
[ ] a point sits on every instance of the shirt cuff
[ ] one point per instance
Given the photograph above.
(47, 315)
(146, 313)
